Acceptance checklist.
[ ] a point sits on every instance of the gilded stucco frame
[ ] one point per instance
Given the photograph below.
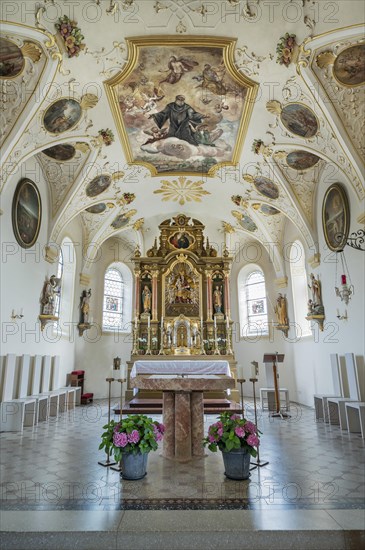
(228, 46)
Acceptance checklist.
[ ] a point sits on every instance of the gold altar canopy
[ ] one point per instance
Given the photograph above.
(182, 304)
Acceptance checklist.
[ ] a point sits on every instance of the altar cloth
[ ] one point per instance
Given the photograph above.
(181, 367)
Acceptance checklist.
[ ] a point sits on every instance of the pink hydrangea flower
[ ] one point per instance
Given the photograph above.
(211, 438)
(158, 434)
(250, 427)
(235, 417)
(253, 440)
(120, 439)
(239, 431)
(133, 437)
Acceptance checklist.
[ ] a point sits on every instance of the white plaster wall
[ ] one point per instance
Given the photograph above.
(252, 348)
(311, 355)
(95, 349)
(23, 272)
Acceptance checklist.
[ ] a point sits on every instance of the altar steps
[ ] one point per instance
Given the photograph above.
(154, 406)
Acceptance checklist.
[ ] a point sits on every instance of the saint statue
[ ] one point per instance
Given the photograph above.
(146, 299)
(315, 287)
(217, 299)
(281, 310)
(85, 306)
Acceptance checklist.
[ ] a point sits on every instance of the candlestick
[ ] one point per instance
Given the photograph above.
(161, 321)
(254, 369)
(239, 372)
(215, 322)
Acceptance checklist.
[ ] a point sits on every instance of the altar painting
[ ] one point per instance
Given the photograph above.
(180, 105)
(182, 291)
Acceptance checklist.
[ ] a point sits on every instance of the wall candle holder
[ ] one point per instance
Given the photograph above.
(17, 315)
(108, 462)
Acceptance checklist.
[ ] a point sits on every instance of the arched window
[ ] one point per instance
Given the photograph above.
(59, 276)
(299, 289)
(252, 301)
(66, 270)
(117, 298)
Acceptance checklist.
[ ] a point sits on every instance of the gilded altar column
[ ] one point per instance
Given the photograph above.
(227, 293)
(154, 295)
(208, 275)
(137, 275)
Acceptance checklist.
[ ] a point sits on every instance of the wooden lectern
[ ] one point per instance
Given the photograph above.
(276, 358)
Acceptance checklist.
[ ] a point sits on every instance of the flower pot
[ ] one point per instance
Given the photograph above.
(237, 463)
(134, 465)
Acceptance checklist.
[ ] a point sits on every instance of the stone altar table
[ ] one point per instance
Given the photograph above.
(183, 412)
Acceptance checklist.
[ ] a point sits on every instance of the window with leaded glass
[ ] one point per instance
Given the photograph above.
(113, 300)
(57, 302)
(255, 295)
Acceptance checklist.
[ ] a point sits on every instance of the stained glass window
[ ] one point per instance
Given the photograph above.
(256, 303)
(113, 300)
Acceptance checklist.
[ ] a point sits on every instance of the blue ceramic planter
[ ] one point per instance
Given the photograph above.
(237, 463)
(134, 465)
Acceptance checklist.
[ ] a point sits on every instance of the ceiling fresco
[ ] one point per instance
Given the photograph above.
(226, 111)
(182, 107)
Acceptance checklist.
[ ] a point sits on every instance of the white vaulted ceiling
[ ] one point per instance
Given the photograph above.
(323, 31)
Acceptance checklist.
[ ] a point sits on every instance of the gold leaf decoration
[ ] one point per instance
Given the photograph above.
(237, 215)
(228, 228)
(138, 224)
(88, 101)
(279, 155)
(256, 205)
(82, 146)
(182, 190)
(325, 59)
(274, 107)
(130, 213)
(31, 50)
(248, 178)
(117, 176)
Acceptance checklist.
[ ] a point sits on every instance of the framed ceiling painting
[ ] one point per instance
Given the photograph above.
(26, 213)
(180, 105)
(336, 217)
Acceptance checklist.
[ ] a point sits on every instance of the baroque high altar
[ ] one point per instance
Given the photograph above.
(182, 295)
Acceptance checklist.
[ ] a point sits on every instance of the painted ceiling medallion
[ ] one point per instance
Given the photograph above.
(122, 219)
(60, 152)
(296, 117)
(265, 209)
(245, 221)
(62, 115)
(180, 105)
(264, 186)
(97, 208)
(98, 185)
(182, 190)
(349, 66)
(11, 59)
(301, 160)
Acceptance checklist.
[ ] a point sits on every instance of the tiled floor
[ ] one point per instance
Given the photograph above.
(314, 482)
